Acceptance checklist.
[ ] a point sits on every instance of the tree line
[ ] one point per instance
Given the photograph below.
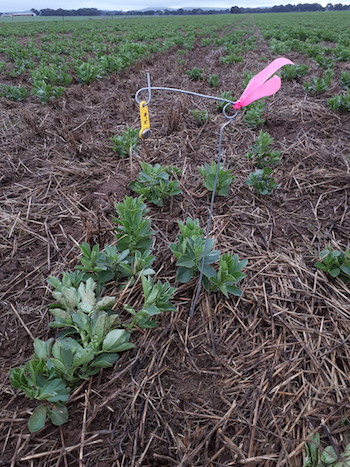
(301, 7)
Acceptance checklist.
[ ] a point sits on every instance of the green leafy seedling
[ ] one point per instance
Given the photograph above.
(312, 450)
(340, 102)
(290, 72)
(262, 153)
(227, 95)
(157, 298)
(88, 72)
(229, 273)
(13, 93)
(127, 143)
(102, 266)
(345, 79)
(324, 62)
(335, 263)
(189, 251)
(319, 85)
(46, 92)
(196, 74)
(254, 115)
(214, 81)
(208, 173)
(231, 59)
(201, 116)
(133, 229)
(154, 184)
(261, 181)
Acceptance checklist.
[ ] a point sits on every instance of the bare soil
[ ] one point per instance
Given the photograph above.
(247, 380)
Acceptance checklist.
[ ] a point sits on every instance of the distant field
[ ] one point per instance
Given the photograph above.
(39, 19)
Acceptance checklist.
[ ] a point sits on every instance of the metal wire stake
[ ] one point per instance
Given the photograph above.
(230, 119)
(211, 209)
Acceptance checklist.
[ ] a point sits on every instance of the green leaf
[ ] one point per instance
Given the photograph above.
(234, 290)
(55, 390)
(66, 357)
(62, 315)
(18, 378)
(185, 261)
(105, 276)
(314, 444)
(83, 356)
(114, 339)
(321, 266)
(56, 324)
(334, 272)
(151, 310)
(58, 365)
(99, 328)
(184, 275)
(41, 348)
(105, 303)
(58, 414)
(105, 360)
(37, 419)
(81, 320)
(209, 271)
(237, 276)
(329, 456)
(345, 269)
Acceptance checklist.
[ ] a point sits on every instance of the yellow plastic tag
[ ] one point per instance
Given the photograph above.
(145, 131)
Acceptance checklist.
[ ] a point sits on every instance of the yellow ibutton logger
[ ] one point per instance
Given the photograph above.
(145, 131)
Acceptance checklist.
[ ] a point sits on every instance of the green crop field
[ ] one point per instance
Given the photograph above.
(107, 355)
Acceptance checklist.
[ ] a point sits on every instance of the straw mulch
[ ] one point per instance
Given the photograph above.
(247, 380)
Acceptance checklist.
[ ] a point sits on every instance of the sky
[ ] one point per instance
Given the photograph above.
(25, 5)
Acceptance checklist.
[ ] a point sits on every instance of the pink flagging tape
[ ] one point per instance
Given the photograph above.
(259, 87)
